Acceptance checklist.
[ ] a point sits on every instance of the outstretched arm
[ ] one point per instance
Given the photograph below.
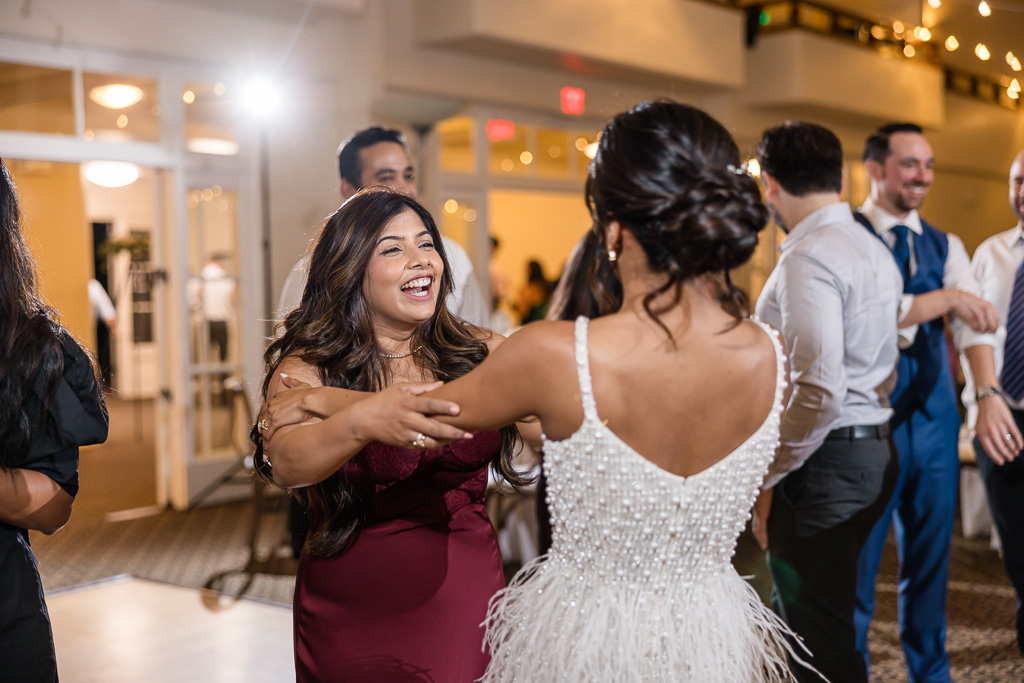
(974, 311)
(304, 449)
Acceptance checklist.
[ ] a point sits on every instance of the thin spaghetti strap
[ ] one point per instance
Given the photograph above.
(781, 380)
(583, 369)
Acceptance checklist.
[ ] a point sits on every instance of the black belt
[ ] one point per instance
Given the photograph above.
(859, 432)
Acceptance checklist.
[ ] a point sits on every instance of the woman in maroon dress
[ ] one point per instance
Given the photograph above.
(401, 560)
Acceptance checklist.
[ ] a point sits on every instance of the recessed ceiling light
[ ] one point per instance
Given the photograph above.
(116, 95)
(111, 173)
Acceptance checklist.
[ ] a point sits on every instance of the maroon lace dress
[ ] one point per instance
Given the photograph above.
(406, 600)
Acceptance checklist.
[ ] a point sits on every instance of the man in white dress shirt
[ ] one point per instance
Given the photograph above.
(925, 423)
(378, 156)
(835, 296)
(994, 394)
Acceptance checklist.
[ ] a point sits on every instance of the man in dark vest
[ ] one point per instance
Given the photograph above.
(936, 274)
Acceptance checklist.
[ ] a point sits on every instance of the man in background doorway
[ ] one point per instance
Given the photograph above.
(217, 301)
(105, 315)
(379, 156)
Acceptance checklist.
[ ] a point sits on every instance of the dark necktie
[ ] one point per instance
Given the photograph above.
(901, 251)
(1012, 377)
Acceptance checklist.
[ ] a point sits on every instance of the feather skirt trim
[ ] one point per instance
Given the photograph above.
(549, 625)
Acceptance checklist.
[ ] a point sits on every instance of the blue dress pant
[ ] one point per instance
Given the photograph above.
(921, 511)
(1004, 486)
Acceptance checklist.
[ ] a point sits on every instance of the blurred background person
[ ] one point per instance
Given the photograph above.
(532, 301)
(105, 315)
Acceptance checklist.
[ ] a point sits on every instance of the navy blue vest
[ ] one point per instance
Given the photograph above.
(924, 380)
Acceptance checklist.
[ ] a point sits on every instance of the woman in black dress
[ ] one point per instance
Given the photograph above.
(50, 404)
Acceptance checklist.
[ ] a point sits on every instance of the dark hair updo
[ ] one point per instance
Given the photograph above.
(669, 173)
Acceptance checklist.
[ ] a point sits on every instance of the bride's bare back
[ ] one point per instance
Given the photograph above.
(683, 406)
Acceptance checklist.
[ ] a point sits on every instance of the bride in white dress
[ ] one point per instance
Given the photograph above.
(659, 422)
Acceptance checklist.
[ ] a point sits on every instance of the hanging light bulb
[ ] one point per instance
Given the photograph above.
(935, 4)
(924, 34)
(1015, 65)
(982, 52)
(952, 43)
(983, 9)
(1015, 85)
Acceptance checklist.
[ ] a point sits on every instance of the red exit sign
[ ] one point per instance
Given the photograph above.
(573, 100)
(500, 129)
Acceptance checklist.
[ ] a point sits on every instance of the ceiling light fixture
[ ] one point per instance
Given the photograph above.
(218, 146)
(116, 95)
(983, 9)
(982, 52)
(111, 173)
(952, 43)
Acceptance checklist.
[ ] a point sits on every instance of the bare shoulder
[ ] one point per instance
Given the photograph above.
(753, 342)
(536, 345)
(295, 367)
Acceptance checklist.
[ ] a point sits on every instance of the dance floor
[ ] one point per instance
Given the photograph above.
(126, 630)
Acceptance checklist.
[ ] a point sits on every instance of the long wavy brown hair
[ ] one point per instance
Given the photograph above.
(332, 330)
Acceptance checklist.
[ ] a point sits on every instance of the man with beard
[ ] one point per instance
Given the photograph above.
(994, 394)
(835, 296)
(936, 275)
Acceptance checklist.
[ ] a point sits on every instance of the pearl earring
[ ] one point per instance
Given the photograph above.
(613, 256)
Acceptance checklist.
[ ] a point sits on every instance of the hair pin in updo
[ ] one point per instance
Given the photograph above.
(738, 170)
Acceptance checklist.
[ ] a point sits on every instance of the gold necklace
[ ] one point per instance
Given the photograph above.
(402, 355)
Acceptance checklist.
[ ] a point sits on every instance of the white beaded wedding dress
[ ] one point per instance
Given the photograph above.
(638, 584)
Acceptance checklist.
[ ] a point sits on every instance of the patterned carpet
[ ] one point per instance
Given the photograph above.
(190, 548)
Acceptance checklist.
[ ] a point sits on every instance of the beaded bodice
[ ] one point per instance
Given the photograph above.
(617, 518)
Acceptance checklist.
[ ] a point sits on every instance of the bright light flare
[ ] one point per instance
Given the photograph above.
(983, 9)
(952, 43)
(982, 52)
(261, 97)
